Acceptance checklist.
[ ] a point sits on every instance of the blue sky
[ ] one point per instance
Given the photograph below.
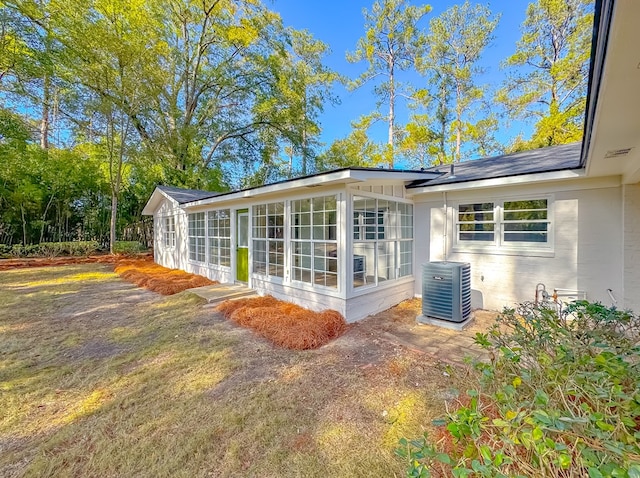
(339, 23)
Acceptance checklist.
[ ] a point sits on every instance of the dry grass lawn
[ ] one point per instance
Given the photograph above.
(101, 379)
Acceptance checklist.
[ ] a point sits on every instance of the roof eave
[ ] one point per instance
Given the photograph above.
(154, 201)
(342, 176)
(499, 182)
(603, 11)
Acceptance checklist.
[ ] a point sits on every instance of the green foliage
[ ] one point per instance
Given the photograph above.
(128, 247)
(357, 149)
(192, 94)
(549, 71)
(389, 45)
(69, 248)
(561, 397)
(51, 249)
(5, 251)
(420, 143)
(449, 60)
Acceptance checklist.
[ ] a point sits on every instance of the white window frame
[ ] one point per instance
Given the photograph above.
(270, 238)
(499, 245)
(169, 232)
(315, 243)
(494, 222)
(199, 241)
(215, 226)
(376, 233)
(504, 222)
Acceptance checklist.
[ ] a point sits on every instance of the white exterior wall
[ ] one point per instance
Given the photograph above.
(173, 257)
(631, 198)
(586, 225)
(352, 304)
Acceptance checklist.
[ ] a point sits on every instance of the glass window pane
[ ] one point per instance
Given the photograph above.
(243, 229)
(476, 222)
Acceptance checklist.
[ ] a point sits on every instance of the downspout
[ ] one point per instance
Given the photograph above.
(446, 227)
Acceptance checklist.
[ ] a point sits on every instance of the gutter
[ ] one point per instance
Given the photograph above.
(498, 182)
(603, 12)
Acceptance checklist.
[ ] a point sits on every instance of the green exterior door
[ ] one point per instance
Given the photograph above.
(242, 245)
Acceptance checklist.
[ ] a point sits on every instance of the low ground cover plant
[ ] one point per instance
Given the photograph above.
(50, 249)
(129, 247)
(67, 249)
(285, 324)
(145, 273)
(560, 397)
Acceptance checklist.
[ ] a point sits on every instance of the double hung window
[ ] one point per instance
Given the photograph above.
(169, 232)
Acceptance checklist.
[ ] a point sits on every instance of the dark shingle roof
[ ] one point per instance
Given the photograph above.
(183, 196)
(553, 158)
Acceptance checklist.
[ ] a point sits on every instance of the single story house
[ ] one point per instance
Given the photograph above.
(354, 239)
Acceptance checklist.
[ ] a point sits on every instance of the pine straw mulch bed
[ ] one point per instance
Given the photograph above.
(151, 276)
(7, 264)
(286, 325)
(139, 269)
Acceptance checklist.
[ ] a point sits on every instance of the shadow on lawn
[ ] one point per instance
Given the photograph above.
(103, 379)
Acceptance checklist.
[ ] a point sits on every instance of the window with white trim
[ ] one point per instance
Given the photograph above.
(507, 223)
(314, 245)
(382, 240)
(219, 237)
(525, 221)
(268, 239)
(169, 232)
(476, 222)
(197, 236)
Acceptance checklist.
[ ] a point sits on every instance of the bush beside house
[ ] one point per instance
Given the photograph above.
(560, 397)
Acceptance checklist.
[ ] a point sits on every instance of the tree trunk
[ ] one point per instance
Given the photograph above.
(44, 216)
(304, 151)
(24, 226)
(392, 113)
(459, 123)
(112, 228)
(44, 122)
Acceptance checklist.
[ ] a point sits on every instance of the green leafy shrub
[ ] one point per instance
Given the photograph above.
(128, 247)
(69, 248)
(560, 397)
(54, 249)
(5, 250)
(30, 250)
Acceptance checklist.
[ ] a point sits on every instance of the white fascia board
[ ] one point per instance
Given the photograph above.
(498, 182)
(154, 201)
(337, 177)
(322, 180)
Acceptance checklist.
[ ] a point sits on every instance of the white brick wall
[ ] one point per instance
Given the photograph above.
(587, 246)
(631, 208)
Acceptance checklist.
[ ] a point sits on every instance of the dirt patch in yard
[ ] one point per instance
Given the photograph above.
(398, 326)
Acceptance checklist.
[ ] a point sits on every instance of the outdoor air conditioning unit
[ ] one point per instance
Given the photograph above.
(446, 291)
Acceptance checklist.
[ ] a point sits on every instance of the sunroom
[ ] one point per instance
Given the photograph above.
(342, 240)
